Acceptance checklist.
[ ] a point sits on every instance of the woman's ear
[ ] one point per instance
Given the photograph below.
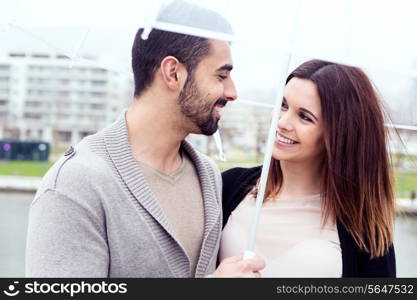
(173, 73)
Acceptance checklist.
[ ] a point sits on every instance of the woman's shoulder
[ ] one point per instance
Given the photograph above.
(234, 174)
(358, 263)
(237, 182)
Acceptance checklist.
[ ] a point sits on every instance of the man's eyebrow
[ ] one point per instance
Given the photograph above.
(302, 109)
(226, 67)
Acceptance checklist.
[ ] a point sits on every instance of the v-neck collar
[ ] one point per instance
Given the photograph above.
(119, 150)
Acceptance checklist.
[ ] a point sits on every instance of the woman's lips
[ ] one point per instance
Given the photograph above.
(283, 141)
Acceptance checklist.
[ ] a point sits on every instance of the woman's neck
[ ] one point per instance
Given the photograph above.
(300, 178)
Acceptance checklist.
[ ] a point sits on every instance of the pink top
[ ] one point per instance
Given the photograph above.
(289, 238)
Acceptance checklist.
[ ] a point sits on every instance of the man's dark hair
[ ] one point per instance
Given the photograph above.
(147, 55)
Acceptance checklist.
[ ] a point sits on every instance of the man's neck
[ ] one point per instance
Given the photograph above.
(154, 134)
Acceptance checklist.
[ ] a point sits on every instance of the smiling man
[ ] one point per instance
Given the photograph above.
(136, 199)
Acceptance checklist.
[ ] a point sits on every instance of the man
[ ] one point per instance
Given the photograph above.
(136, 199)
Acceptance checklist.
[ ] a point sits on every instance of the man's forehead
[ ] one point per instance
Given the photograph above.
(219, 57)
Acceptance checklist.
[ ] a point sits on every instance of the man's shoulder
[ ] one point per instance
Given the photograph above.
(84, 162)
(79, 169)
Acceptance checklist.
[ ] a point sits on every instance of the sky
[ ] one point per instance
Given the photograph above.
(351, 30)
(379, 36)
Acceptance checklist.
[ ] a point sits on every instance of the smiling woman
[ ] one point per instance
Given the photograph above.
(299, 132)
(329, 203)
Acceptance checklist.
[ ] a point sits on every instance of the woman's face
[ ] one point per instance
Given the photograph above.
(299, 135)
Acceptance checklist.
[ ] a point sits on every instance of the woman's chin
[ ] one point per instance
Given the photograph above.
(278, 154)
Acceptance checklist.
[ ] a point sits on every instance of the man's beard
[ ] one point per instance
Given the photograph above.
(199, 109)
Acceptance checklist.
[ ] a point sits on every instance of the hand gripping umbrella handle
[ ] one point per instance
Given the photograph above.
(248, 254)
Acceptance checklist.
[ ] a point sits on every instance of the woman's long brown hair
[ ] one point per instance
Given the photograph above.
(356, 175)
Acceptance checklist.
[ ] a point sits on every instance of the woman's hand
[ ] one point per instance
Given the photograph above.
(238, 267)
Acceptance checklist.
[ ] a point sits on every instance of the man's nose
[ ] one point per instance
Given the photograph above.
(230, 93)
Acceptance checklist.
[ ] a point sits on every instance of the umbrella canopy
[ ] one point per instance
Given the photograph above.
(269, 38)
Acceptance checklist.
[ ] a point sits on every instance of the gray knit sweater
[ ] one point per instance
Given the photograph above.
(96, 216)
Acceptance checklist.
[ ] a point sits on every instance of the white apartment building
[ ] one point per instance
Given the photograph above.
(42, 96)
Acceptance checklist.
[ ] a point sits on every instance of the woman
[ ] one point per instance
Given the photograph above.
(329, 203)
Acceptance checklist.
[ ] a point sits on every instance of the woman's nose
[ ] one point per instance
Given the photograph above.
(284, 122)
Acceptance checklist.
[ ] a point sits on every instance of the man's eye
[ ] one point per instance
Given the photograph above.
(222, 77)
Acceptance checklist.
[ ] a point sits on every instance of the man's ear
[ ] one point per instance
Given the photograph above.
(173, 73)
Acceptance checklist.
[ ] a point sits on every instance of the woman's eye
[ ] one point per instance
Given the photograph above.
(305, 118)
(283, 105)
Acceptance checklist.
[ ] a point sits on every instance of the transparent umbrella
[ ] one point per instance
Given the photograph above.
(268, 39)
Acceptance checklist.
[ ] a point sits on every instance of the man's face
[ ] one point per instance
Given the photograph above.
(208, 89)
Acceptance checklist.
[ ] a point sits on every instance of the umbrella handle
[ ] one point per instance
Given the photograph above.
(248, 254)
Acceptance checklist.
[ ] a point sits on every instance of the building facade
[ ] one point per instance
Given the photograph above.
(44, 97)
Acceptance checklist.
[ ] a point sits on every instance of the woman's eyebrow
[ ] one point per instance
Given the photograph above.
(284, 100)
(309, 112)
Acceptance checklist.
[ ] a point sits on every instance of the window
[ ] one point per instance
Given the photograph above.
(31, 115)
(39, 80)
(98, 71)
(63, 69)
(97, 94)
(63, 136)
(17, 54)
(62, 56)
(33, 103)
(98, 82)
(98, 118)
(97, 106)
(64, 93)
(40, 55)
(83, 134)
(63, 105)
(63, 116)
(43, 92)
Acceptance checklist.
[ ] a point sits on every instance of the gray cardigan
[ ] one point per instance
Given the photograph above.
(96, 216)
